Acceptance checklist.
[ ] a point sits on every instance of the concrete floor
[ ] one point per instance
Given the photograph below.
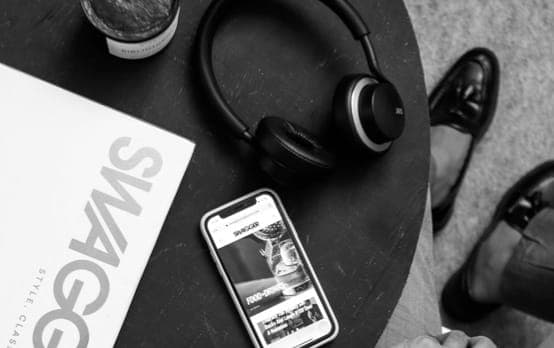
(521, 33)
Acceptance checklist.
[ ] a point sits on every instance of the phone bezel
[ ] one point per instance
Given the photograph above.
(230, 286)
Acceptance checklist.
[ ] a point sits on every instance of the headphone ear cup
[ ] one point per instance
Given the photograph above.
(289, 152)
(368, 112)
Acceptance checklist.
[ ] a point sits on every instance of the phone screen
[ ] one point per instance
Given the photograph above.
(270, 276)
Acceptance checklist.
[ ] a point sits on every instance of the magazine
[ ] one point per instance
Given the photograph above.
(84, 192)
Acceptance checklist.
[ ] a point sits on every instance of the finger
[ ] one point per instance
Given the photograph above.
(481, 342)
(419, 342)
(455, 339)
(404, 344)
(401, 345)
(424, 342)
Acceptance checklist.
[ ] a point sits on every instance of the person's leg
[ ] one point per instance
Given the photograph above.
(417, 312)
(513, 263)
(461, 109)
(449, 147)
(490, 261)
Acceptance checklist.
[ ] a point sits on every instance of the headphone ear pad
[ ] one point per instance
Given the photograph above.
(288, 151)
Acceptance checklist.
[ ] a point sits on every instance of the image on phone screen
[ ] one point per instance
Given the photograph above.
(269, 274)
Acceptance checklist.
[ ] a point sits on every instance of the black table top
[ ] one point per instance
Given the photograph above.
(359, 225)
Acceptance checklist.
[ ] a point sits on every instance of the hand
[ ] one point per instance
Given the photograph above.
(453, 339)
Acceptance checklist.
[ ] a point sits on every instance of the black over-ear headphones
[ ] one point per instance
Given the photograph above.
(367, 107)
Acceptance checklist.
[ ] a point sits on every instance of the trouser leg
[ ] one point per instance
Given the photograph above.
(527, 283)
(417, 311)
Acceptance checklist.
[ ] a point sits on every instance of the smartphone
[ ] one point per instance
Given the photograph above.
(268, 275)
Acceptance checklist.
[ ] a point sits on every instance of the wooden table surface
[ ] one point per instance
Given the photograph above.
(359, 225)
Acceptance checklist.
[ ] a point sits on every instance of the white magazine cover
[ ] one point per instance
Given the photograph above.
(84, 192)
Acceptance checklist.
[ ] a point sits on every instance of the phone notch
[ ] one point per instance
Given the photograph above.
(225, 213)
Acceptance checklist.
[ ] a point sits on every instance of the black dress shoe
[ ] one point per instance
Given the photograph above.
(465, 99)
(529, 196)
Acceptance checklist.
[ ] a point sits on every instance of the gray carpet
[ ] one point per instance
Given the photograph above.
(521, 33)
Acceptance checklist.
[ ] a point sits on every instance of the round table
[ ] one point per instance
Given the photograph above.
(359, 225)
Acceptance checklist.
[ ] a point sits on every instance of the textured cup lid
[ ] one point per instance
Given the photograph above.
(130, 20)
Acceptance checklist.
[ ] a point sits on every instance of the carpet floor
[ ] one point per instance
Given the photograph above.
(521, 33)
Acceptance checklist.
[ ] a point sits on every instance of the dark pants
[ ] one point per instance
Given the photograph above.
(527, 283)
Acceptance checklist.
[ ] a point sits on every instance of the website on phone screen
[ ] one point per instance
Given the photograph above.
(270, 276)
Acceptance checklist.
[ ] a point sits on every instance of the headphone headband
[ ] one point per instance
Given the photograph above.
(206, 32)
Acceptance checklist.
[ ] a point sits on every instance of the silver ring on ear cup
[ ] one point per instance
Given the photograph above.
(356, 119)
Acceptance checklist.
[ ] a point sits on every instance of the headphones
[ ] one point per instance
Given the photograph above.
(367, 108)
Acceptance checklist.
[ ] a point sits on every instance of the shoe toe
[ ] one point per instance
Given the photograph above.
(466, 97)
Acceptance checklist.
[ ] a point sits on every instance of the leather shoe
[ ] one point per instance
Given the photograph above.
(465, 99)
